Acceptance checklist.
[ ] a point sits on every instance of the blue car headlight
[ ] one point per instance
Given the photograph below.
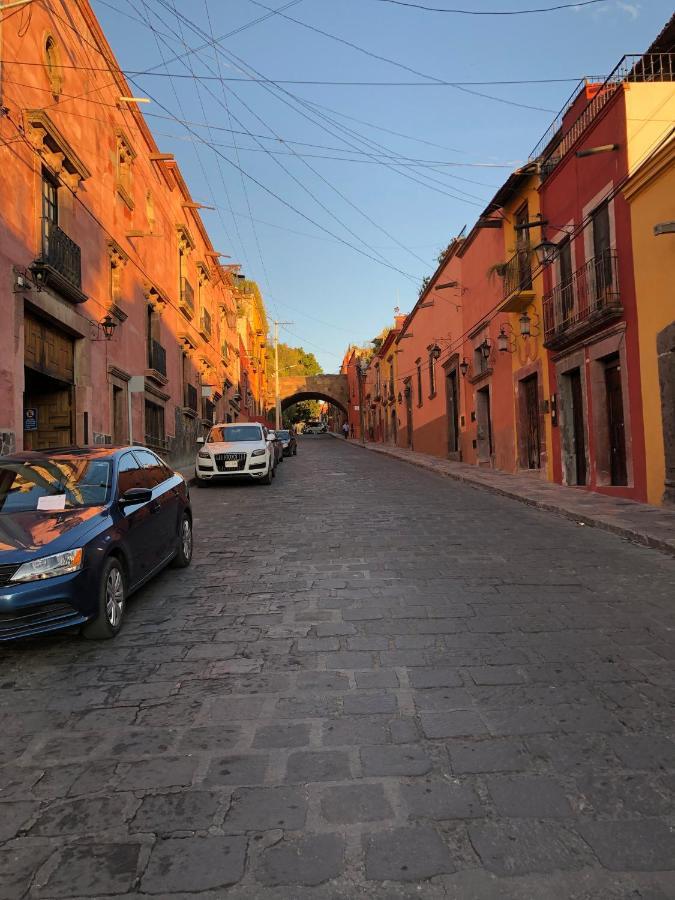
(49, 566)
(259, 453)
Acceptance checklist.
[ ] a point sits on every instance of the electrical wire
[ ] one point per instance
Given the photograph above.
(493, 12)
(399, 65)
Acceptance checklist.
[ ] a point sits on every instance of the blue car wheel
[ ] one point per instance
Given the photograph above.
(111, 603)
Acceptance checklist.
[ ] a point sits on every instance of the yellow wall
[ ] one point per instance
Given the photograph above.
(650, 114)
(651, 195)
(529, 351)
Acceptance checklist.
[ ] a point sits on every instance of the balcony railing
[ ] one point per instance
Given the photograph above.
(59, 262)
(578, 304)
(187, 297)
(518, 274)
(191, 397)
(157, 357)
(650, 67)
(205, 324)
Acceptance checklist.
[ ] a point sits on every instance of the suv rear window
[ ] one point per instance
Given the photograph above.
(234, 433)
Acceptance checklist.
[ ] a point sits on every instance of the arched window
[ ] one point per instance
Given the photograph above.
(52, 63)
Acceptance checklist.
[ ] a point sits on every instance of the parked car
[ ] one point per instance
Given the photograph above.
(315, 428)
(289, 445)
(273, 436)
(81, 529)
(235, 450)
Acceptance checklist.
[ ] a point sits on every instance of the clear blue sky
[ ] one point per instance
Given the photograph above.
(331, 293)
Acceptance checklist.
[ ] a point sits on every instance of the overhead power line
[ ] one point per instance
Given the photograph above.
(494, 12)
(394, 62)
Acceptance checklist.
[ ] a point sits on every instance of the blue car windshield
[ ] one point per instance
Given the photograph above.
(235, 433)
(50, 485)
(284, 435)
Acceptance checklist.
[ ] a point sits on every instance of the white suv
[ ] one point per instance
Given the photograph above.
(241, 449)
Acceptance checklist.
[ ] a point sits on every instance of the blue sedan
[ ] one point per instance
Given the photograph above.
(80, 530)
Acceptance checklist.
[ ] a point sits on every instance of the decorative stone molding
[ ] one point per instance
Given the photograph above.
(124, 160)
(203, 273)
(54, 149)
(186, 243)
(154, 297)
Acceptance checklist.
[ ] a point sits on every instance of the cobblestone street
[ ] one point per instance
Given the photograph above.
(372, 682)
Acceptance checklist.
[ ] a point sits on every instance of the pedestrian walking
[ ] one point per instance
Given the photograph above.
(345, 430)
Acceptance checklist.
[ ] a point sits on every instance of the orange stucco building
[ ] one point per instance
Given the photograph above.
(119, 320)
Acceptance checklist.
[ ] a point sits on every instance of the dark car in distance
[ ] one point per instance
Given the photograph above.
(81, 529)
(289, 444)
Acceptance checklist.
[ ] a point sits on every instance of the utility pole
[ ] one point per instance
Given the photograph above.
(277, 398)
(361, 370)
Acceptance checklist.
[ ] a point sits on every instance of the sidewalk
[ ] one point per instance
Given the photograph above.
(653, 526)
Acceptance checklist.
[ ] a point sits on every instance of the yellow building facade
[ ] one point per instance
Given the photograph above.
(650, 193)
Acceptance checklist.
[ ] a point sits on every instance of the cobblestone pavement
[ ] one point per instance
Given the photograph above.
(373, 682)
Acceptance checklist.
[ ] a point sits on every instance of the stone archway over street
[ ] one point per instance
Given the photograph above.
(328, 388)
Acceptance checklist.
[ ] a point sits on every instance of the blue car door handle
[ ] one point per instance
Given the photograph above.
(155, 506)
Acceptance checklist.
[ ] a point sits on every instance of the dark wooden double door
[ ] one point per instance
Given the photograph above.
(49, 371)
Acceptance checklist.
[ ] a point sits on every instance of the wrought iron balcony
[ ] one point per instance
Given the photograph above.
(59, 263)
(205, 324)
(191, 397)
(187, 297)
(586, 299)
(518, 281)
(157, 357)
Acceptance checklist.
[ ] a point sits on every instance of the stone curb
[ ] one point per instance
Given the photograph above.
(634, 534)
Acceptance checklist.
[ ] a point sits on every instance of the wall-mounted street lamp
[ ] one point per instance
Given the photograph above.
(506, 341)
(400, 397)
(435, 351)
(105, 327)
(464, 367)
(486, 348)
(545, 251)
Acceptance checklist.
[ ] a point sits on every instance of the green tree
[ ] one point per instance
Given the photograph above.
(293, 361)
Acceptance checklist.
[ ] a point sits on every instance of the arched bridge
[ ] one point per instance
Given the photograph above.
(328, 388)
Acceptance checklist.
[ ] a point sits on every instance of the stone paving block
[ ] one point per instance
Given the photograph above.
(95, 869)
(174, 711)
(435, 677)
(403, 658)
(374, 643)
(355, 731)
(18, 865)
(322, 681)
(627, 793)
(280, 736)
(488, 755)
(380, 678)
(138, 742)
(229, 709)
(316, 645)
(348, 660)
(497, 675)
(582, 717)
(355, 803)
(528, 720)
(456, 723)
(521, 847)
(194, 864)
(442, 699)
(321, 765)
(441, 800)
(261, 809)
(162, 771)
(84, 816)
(644, 751)
(404, 730)
(15, 816)
(403, 759)
(309, 860)
(213, 738)
(334, 629)
(641, 844)
(369, 704)
(307, 706)
(182, 811)
(534, 796)
(406, 854)
(237, 770)
(571, 752)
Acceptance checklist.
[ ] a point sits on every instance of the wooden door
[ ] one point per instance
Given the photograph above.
(409, 414)
(579, 431)
(531, 388)
(48, 350)
(522, 218)
(617, 436)
(453, 412)
(54, 404)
